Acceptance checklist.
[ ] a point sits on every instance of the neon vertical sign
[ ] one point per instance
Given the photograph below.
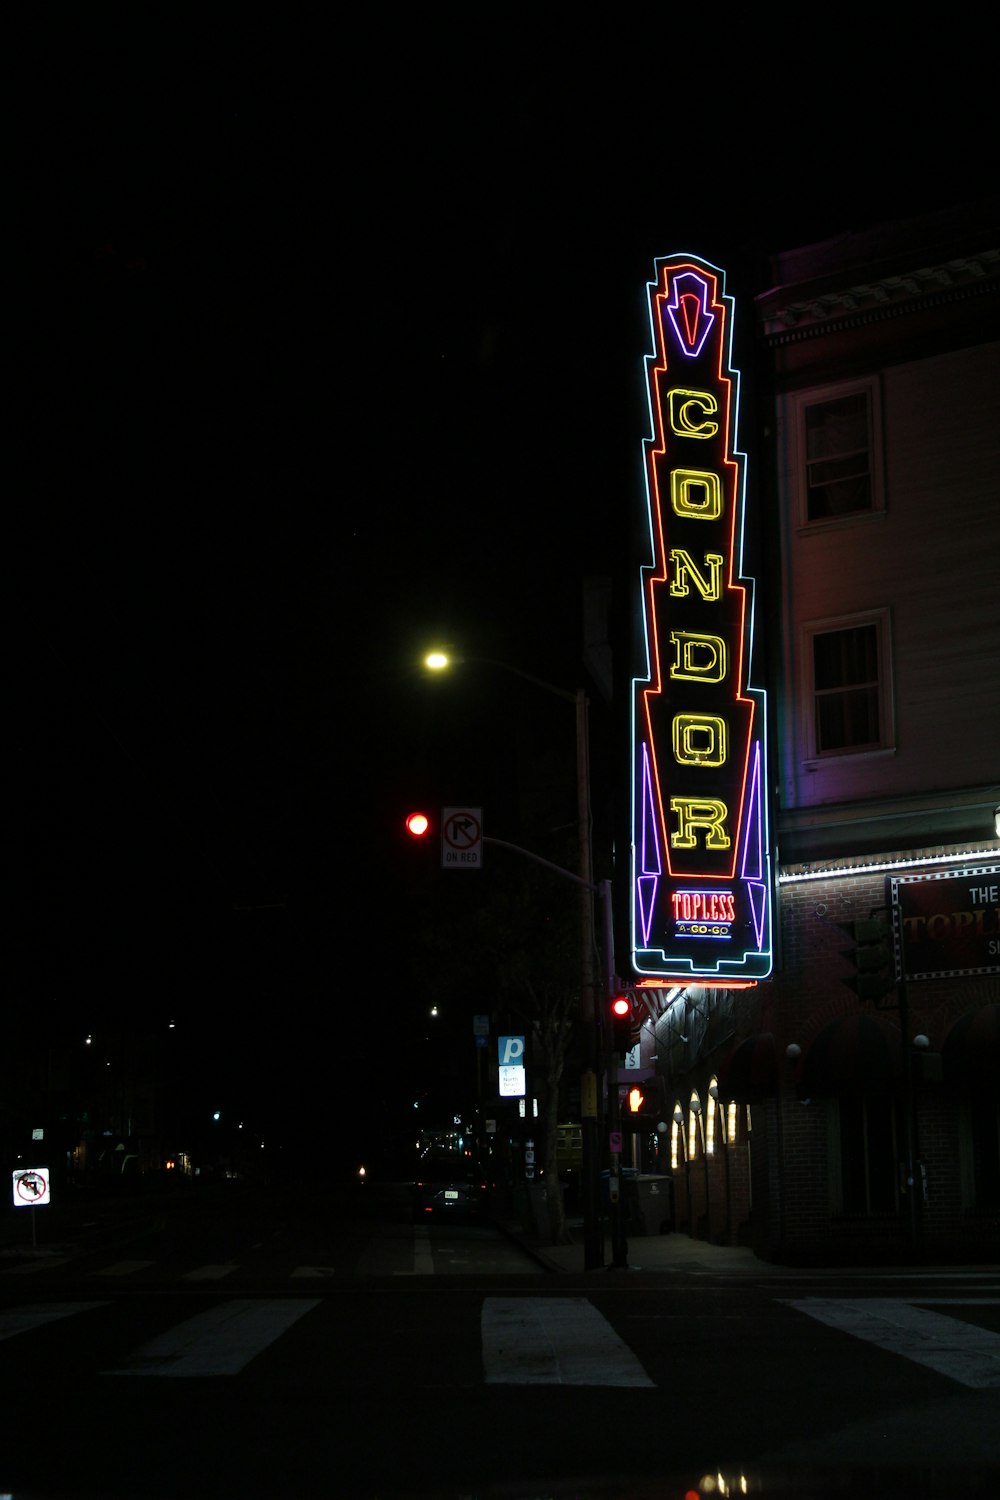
(701, 890)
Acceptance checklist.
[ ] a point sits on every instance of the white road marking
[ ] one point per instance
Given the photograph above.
(212, 1273)
(29, 1267)
(962, 1301)
(423, 1259)
(123, 1268)
(554, 1341)
(959, 1350)
(934, 1275)
(221, 1341)
(15, 1320)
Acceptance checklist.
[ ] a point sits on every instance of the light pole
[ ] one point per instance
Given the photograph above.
(591, 984)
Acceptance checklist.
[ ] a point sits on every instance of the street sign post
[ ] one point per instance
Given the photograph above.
(31, 1188)
(462, 838)
(512, 1082)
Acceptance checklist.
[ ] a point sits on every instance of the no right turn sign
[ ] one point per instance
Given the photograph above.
(462, 838)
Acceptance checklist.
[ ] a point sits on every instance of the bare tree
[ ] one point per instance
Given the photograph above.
(515, 947)
(553, 1008)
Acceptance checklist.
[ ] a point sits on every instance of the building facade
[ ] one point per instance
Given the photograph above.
(848, 1107)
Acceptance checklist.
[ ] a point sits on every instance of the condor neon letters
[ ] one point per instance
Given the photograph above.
(701, 891)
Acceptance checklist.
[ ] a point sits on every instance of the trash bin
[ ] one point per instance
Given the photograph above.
(654, 1205)
(630, 1207)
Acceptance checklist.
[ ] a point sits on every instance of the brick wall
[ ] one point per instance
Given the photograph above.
(788, 1204)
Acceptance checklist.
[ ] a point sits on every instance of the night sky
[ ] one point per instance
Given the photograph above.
(330, 347)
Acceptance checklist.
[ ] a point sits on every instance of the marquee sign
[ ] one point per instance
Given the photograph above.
(947, 924)
(701, 893)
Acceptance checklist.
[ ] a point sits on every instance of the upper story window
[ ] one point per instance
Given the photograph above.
(840, 457)
(850, 694)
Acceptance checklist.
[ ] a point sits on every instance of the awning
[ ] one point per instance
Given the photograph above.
(750, 1072)
(971, 1051)
(859, 1053)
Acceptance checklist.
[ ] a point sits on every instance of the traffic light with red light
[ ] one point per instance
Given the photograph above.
(417, 824)
(620, 1015)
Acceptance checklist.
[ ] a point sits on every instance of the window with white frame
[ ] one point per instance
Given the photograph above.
(839, 445)
(849, 698)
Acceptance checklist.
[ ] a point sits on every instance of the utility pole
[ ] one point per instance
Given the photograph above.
(593, 1238)
(590, 980)
(620, 1035)
(590, 1093)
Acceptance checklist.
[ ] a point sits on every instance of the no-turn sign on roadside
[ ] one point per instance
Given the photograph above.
(31, 1187)
(462, 838)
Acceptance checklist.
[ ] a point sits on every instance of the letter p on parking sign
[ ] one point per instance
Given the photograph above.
(511, 1051)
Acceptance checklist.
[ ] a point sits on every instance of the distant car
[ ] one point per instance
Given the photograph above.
(450, 1185)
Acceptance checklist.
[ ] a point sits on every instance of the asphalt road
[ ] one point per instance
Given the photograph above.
(242, 1346)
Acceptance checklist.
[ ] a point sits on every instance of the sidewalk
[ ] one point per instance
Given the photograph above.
(643, 1252)
(78, 1216)
(678, 1253)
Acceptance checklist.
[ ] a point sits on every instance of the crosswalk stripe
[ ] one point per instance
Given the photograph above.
(554, 1341)
(423, 1259)
(422, 1263)
(123, 1268)
(212, 1273)
(221, 1341)
(959, 1350)
(15, 1320)
(32, 1267)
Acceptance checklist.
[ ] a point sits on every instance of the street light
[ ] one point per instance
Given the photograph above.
(439, 660)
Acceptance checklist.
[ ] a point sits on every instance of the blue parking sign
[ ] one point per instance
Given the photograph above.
(511, 1051)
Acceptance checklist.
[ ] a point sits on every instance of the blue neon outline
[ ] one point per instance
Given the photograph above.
(755, 867)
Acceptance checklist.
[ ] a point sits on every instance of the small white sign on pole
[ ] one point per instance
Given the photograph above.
(512, 1083)
(462, 838)
(31, 1187)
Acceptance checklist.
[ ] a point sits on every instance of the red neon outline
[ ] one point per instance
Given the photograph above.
(691, 981)
(730, 472)
(691, 315)
(678, 895)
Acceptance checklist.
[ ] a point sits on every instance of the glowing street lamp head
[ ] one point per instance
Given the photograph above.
(437, 661)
